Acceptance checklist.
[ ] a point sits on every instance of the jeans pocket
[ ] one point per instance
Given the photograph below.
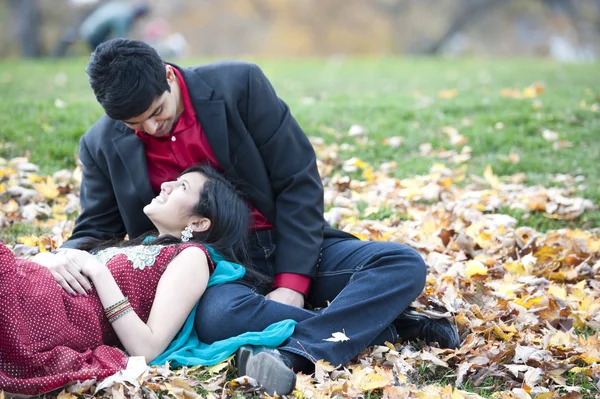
(263, 258)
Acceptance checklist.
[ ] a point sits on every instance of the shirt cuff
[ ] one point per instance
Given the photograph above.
(293, 281)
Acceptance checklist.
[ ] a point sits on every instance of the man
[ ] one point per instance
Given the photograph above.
(160, 119)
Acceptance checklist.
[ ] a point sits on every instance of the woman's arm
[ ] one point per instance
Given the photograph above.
(179, 289)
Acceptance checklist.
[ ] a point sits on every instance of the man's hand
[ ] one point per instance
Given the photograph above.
(66, 272)
(286, 296)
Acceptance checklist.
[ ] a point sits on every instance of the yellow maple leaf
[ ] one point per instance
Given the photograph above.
(593, 245)
(6, 172)
(368, 381)
(560, 338)
(546, 253)
(492, 179)
(475, 268)
(430, 392)
(35, 178)
(507, 328)
(10, 207)
(577, 291)
(368, 174)
(42, 247)
(507, 290)
(47, 189)
(359, 163)
(30, 241)
(501, 334)
(515, 268)
(557, 292)
(531, 301)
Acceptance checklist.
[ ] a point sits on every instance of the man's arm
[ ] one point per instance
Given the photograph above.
(291, 162)
(100, 217)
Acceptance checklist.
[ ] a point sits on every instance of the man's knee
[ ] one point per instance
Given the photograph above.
(409, 266)
(221, 311)
(417, 266)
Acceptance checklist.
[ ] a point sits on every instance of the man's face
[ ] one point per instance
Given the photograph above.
(159, 119)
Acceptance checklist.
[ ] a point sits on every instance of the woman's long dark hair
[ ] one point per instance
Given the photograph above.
(228, 234)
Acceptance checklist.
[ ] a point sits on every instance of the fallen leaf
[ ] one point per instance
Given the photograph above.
(447, 94)
(337, 337)
(549, 135)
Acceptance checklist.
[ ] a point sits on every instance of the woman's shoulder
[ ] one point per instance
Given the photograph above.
(196, 251)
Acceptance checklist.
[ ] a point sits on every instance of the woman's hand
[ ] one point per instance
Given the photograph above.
(66, 272)
(88, 264)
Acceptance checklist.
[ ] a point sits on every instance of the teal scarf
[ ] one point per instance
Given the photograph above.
(187, 350)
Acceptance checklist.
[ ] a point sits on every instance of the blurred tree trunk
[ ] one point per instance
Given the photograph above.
(470, 10)
(27, 14)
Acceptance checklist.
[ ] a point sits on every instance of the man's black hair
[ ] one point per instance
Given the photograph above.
(126, 76)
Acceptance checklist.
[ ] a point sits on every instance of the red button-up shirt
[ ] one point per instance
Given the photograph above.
(186, 145)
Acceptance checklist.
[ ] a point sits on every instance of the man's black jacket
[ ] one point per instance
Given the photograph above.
(256, 141)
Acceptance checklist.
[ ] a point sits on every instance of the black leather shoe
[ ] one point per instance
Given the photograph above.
(413, 325)
(268, 367)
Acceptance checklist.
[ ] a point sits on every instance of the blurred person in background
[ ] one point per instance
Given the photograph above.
(168, 44)
(111, 20)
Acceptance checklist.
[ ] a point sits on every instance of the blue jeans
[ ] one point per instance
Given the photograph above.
(361, 286)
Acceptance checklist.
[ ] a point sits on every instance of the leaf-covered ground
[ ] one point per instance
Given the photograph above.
(526, 303)
(489, 168)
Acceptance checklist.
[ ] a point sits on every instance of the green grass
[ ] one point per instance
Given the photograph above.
(329, 96)
(11, 233)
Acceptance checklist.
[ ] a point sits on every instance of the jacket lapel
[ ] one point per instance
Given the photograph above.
(212, 117)
(131, 151)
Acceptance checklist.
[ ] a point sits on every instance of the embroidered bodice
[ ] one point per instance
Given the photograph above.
(140, 255)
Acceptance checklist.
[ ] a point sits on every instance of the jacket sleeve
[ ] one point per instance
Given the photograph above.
(100, 217)
(291, 163)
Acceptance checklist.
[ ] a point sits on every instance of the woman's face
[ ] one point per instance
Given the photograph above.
(171, 210)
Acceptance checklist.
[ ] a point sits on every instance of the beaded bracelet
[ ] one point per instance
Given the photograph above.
(114, 305)
(118, 309)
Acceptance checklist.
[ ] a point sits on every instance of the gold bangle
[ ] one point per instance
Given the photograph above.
(117, 313)
(116, 310)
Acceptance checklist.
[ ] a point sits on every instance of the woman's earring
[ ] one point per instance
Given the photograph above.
(186, 234)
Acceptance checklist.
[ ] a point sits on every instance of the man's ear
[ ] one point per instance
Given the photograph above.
(201, 224)
(170, 74)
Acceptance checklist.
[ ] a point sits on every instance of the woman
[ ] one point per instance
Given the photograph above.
(141, 295)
